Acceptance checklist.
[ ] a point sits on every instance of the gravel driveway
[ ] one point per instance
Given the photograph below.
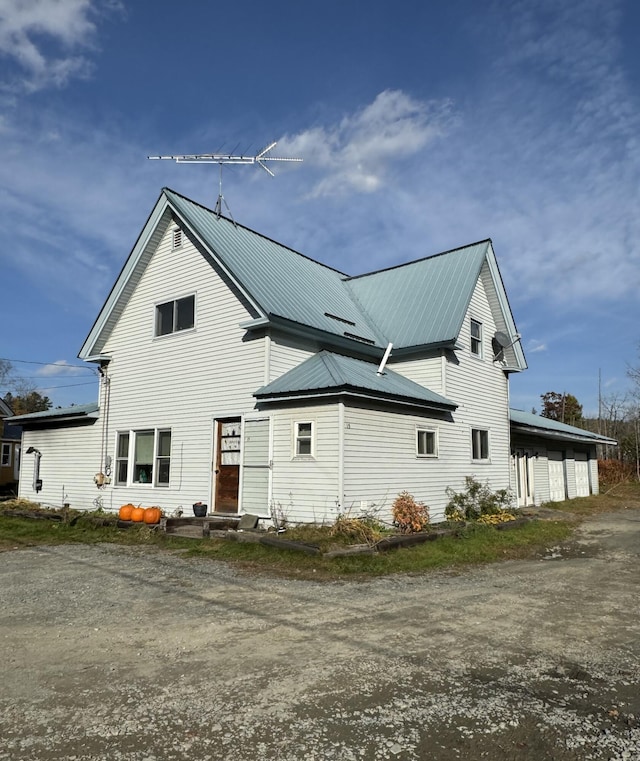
(121, 653)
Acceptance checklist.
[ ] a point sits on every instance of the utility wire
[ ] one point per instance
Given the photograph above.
(49, 364)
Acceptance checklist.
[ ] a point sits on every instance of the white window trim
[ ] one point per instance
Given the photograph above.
(6, 448)
(295, 438)
(157, 336)
(488, 432)
(427, 455)
(153, 481)
(479, 339)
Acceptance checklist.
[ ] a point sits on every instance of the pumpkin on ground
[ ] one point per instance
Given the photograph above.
(152, 515)
(137, 514)
(125, 512)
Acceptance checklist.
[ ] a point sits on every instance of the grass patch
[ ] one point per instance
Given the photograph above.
(620, 496)
(476, 544)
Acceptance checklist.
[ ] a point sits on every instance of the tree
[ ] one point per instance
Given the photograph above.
(5, 371)
(25, 404)
(564, 408)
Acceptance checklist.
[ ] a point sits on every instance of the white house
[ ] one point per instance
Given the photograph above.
(242, 374)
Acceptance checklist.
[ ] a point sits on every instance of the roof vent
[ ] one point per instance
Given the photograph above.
(339, 319)
(177, 238)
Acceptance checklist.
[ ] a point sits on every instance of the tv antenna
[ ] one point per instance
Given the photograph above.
(226, 158)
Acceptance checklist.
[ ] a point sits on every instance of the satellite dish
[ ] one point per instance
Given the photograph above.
(499, 343)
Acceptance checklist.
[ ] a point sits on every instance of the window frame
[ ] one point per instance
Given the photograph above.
(478, 437)
(475, 342)
(298, 439)
(5, 455)
(175, 316)
(434, 433)
(134, 467)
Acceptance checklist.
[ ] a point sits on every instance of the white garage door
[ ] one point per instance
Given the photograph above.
(556, 477)
(582, 475)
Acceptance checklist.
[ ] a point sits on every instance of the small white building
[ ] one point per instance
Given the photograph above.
(240, 373)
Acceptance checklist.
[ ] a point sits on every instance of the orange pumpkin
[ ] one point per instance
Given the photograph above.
(125, 512)
(137, 514)
(152, 515)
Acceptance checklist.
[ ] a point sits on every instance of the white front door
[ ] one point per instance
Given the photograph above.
(524, 477)
(256, 467)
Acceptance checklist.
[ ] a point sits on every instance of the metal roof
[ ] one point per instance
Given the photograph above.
(546, 427)
(326, 371)
(425, 301)
(57, 415)
(283, 282)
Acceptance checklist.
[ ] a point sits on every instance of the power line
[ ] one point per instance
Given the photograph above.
(49, 364)
(68, 385)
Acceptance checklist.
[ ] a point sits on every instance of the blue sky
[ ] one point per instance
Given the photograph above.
(423, 127)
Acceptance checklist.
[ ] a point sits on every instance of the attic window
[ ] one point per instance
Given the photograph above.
(177, 238)
(173, 316)
(476, 338)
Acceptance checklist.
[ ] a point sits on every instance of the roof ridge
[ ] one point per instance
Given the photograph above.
(418, 261)
(255, 232)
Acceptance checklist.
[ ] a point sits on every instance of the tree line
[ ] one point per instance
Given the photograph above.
(21, 396)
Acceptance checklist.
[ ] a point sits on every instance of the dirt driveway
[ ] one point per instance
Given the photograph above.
(117, 653)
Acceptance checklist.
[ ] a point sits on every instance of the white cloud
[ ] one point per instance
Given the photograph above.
(355, 154)
(42, 39)
(534, 346)
(61, 368)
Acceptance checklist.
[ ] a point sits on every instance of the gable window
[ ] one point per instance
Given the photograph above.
(303, 434)
(479, 444)
(173, 316)
(476, 338)
(426, 442)
(5, 459)
(177, 238)
(143, 457)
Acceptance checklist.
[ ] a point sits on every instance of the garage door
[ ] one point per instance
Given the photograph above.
(556, 477)
(582, 475)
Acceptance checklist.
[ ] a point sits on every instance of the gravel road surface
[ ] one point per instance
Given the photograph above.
(133, 653)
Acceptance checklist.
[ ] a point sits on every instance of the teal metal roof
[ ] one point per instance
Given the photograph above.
(553, 429)
(283, 282)
(57, 415)
(423, 302)
(328, 372)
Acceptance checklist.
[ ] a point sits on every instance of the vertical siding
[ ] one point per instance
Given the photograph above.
(70, 458)
(184, 380)
(306, 489)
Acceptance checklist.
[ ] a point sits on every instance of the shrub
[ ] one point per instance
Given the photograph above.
(409, 516)
(612, 472)
(476, 500)
(361, 530)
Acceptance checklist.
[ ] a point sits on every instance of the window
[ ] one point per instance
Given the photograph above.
(479, 444)
(144, 457)
(173, 316)
(476, 338)
(303, 439)
(5, 459)
(177, 238)
(426, 443)
(122, 458)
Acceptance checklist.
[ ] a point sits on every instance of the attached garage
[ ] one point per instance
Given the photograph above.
(564, 457)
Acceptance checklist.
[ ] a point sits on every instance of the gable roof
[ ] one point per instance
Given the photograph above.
(527, 422)
(414, 305)
(328, 373)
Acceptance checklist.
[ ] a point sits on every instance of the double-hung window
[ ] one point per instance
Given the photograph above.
(479, 444)
(476, 338)
(143, 457)
(5, 459)
(303, 439)
(426, 442)
(173, 316)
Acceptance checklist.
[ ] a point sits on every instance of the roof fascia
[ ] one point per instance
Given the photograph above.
(547, 433)
(342, 392)
(503, 301)
(126, 272)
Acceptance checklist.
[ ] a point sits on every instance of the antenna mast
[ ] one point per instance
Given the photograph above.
(225, 158)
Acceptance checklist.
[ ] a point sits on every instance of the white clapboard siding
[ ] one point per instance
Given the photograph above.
(70, 459)
(185, 380)
(285, 353)
(380, 461)
(428, 370)
(306, 489)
